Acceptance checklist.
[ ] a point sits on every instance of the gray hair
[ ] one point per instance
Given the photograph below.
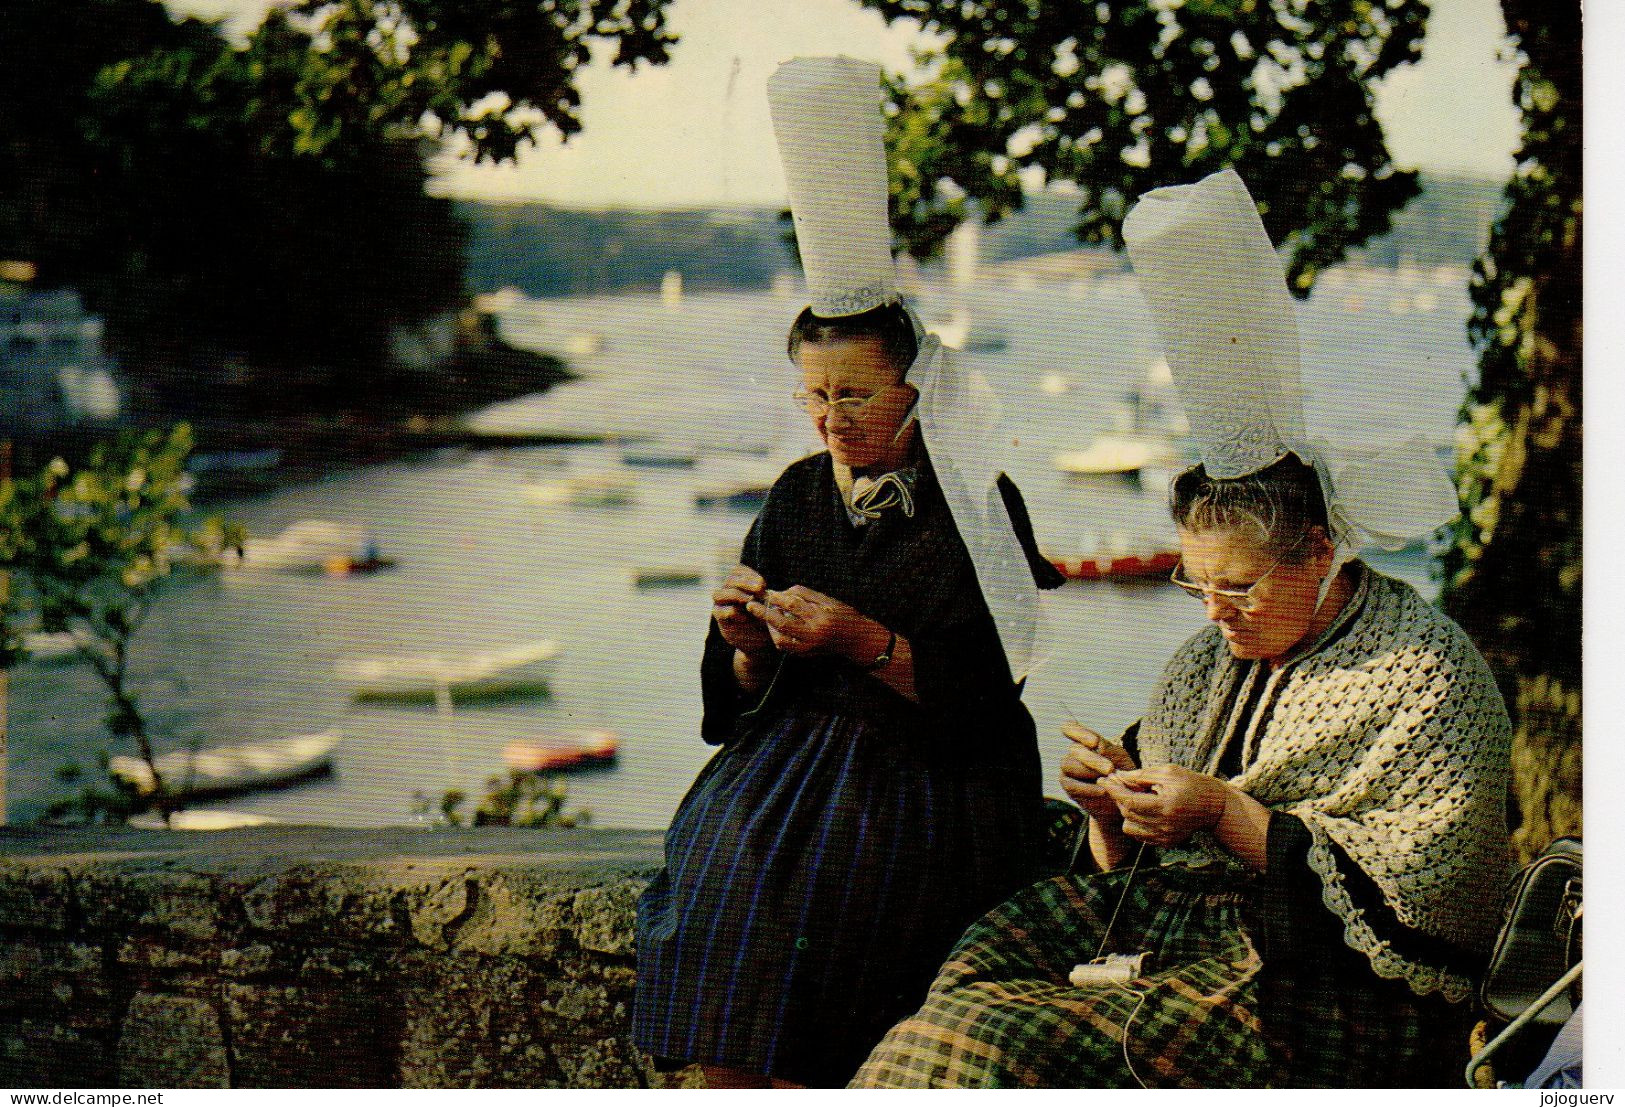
(1281, 502)
(889, 324)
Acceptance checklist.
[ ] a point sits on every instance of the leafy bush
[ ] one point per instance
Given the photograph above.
(92, 548)
(525, 798)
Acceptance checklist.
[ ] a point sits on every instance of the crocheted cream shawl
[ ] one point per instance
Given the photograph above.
(1387, 737)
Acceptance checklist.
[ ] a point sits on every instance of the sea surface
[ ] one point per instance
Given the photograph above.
(241, 656)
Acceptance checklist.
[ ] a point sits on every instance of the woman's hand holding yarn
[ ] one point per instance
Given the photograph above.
(1166, 804)
(1091, 759)
(730, 602)
(802, 621)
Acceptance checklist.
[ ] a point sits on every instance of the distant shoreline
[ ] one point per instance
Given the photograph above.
(412, 414)
(405, 414)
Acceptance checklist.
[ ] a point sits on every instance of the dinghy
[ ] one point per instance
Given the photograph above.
(509, 670)
(230, 770)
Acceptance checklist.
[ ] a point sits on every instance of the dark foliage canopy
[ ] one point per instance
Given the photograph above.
(262, 203)
(1118, 98)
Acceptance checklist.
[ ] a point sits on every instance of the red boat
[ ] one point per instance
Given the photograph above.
(573, 750)
(1117, 566)
(355, 566)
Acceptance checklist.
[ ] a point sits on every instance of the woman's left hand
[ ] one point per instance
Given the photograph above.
(1166, 804)
(802, 621)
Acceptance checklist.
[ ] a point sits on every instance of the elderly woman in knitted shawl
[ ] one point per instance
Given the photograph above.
(1300, 845)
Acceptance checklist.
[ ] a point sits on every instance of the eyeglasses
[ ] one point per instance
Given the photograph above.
(1242, 599)
(852, 407)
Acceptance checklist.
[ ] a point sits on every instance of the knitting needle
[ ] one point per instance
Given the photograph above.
(1083, 831)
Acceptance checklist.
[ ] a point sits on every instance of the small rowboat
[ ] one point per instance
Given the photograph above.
(572, 750)
(742, 494)
(51, 647)
(585, 490)
(356, 566)
(742, 486)
(230, 770)
(1117, 566)
(1112, 454)
(307, 546)
(198, 820)
(667, 576)
(523, 667)
(659, 456)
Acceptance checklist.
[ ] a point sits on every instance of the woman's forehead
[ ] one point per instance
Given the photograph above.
(1226, 550)
(853, 362)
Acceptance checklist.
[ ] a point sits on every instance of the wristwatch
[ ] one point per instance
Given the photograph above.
(883, 658)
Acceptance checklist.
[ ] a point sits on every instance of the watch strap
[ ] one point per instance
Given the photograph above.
(883, 658)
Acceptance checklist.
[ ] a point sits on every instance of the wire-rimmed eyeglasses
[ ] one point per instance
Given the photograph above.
(1242, 599)
(851, 407)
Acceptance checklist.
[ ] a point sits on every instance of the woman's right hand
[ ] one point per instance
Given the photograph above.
(1091, 758)
(740, 629)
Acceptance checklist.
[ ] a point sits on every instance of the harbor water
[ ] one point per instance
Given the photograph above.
(484, 562)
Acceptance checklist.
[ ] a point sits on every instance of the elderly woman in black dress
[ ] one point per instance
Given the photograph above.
(879, 783)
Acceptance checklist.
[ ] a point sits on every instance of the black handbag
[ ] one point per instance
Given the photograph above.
(1540, 938)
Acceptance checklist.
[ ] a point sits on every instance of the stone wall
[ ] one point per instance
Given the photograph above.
(315, 957)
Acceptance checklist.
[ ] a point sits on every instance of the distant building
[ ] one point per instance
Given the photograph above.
(53, 372)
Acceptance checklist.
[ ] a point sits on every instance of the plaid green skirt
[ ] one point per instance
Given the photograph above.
(1001, 1013)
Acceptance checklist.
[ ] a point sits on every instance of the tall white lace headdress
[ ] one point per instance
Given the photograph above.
(1218, 295)
(831, 136)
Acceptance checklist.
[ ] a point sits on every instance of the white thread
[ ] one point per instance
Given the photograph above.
(1145, 995)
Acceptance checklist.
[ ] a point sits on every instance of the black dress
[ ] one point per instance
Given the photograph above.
(829, 855)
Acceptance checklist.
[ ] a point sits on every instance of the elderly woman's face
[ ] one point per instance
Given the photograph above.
(1283, 601)
(864, 433)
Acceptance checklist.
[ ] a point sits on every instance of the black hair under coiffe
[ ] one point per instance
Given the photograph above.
(1282, 501)
(889, 323)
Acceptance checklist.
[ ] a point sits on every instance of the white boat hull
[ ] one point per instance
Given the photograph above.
(306, 546)
(51, 647)
(605, 491)
(1114, 453)
(227, 770)
(525, 666)
(198, 820)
